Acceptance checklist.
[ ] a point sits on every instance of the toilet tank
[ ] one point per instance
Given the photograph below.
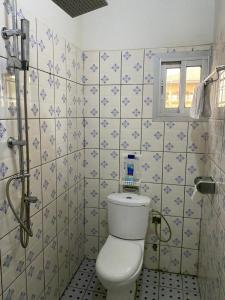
(128, 215)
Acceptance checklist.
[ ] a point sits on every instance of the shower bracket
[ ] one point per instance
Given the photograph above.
(7, 33)
(11, 142)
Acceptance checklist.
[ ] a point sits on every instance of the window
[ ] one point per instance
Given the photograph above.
(176, 76)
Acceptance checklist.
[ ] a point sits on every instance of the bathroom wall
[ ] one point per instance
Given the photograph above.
(212, 242)
(118, 96)
(131, 24)
(55, 108)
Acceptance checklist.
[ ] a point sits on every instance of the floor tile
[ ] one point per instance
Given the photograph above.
(171, 280)
(151, 285)
(81, 280)
(96, 286)
(88, 265)
(190, 283)
(73, 293)
(191, 295)
(89, 295)
(146, 292)
(170, 294)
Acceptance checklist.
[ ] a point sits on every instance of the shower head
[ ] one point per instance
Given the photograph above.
(76, 8)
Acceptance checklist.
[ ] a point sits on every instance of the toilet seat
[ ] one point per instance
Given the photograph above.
(118, 259)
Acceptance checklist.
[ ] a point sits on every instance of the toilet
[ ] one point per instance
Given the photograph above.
(120, 260)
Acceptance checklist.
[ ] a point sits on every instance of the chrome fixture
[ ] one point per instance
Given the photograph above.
(210, 79)
(15, 64)
(205, 185)
(75, 8)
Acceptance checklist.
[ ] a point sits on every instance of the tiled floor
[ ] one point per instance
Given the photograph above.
(151, 285)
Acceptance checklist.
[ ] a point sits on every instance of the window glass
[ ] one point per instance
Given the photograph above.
(193, 77)
(172, 88)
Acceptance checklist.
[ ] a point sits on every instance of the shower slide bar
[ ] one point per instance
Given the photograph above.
(209, 79)
(15, 64)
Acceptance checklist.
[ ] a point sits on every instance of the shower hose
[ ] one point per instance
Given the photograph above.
(168, 225)
(24, 218)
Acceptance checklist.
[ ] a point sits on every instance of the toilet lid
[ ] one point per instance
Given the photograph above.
(118, 259)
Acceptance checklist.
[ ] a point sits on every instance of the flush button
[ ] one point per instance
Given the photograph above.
(128, 197)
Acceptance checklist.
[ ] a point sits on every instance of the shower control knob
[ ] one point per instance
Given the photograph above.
(11, 142)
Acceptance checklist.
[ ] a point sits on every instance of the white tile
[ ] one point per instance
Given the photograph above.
(49, 182)
(59, 55)
(170, 259)
(63, 247)
(45, 47)
(191, 233)
(35, 245)
(17, 289)
(46, 95)
(91, 163)
(91, 67)
(91, 192)
(60, 97)
(47, 127)
(110, 101)
(61, 137)
(193, 208)
(175, 136)
(91, 101)
(151, 257)
(35, 278)
(189, 261)
(62, 175)
(49, 223)
(176, 225)
(91, 221)
(109, 133)
(50, 261)
(71, 61)
(109, 164)
(151, 167)
(132, 66)
(130, 134)
(62, 203)
(172, 200)
(147, 101)
(92, 133)
(131, 101)
(91, 246)
(197, 137)
(174, 168)
(196, 164)
(110, 67)
(152, 135)
(12, 257)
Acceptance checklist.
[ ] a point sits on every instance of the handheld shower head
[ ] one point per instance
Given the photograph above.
(25, 51)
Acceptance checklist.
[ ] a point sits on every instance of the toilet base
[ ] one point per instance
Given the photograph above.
(128, 293)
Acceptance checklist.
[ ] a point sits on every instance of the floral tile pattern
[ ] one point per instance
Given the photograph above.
(118, 97)
(151, 285)
(56, 140)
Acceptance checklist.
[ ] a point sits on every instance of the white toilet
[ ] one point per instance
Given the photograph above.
(120, 260)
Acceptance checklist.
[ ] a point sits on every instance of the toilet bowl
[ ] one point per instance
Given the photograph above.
(118, 266)
(120, 260)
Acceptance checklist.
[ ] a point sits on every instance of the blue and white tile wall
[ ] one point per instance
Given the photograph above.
(212, 241)
(118, 95)
(55, 100)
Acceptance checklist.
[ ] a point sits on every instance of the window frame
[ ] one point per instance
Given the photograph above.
(184, 60)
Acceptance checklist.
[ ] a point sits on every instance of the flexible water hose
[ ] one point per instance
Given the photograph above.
(168, 225)
(12, 207)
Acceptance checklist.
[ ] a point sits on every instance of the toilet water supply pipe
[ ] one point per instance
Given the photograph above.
(156, 230)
